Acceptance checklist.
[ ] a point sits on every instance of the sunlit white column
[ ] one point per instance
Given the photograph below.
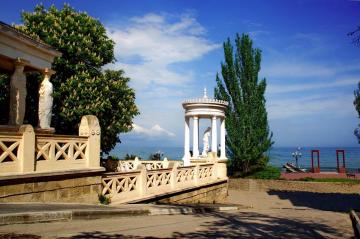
(186, 157)
(213, 135)
(222, 139)
(196, 137)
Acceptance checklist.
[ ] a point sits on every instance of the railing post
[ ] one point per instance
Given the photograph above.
(90, 128)
(165, 163)
(196, 174)
(142, 180)
(220, 169)
(173, 177)
(26, 151)
(136, 163)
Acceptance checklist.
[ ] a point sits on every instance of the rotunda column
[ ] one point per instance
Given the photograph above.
(17, 94)
(196, 137)
(186, 157)
(213, 135)
(222, 139)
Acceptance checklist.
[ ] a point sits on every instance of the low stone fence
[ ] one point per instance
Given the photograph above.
(129, 165)
(25, 151)
(284, 185)
(140, 184)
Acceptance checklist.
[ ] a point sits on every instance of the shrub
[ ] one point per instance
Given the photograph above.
(130, 157)
(104, 200)
(268, 172)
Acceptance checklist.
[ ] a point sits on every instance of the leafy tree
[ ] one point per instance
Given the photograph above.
(248, 135)
(355, 35)
(356, 40)
(80, 85)
(357, 107)
(4, 96)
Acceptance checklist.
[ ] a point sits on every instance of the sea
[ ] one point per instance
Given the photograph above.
(278, 155)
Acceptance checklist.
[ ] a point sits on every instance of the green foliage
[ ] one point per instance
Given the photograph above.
(130, 157)
(269, 172)
(4, 97)
(104, 200)
(248, 135)
(156, 156)
(357, 107)
(80, 87)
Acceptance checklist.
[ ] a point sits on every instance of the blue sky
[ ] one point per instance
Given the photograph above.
(173, 49)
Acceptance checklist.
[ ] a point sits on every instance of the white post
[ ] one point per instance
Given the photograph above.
(222, 139)
(196, 137)
(89, 126)
(213, 135)
(186, 157)
(26, 151)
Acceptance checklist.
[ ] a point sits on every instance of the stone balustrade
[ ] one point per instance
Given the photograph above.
(140, 182)
(25, 151)
(130, 165)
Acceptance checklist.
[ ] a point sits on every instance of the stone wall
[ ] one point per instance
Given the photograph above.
(283, 185)
(213, 193)
(72, 187)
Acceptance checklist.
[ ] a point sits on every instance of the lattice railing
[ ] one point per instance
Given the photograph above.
(130, 165)
(24, 149)
(119, 184)
(206, 171)
(60, 148)
(9, 147)
(185, 174)
(158, 178)
(141, 183)
(126, 166)
(151, 165)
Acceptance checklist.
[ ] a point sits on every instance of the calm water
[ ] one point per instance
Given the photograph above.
(278, 155)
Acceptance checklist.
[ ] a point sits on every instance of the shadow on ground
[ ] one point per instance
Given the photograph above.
(243, 225)
(336, 202)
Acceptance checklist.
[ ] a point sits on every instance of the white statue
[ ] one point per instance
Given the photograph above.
(17, 96)
(45, 101)
(206, 142)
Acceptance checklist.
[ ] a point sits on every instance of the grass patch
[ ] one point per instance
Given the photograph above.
(269, 172)
(331, 180)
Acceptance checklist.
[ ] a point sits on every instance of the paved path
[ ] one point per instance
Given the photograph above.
(265, 223)
(275, 218)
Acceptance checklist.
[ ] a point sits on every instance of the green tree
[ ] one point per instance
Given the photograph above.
(80, 85)
(356, 41)
(357, 107)
(248, 135)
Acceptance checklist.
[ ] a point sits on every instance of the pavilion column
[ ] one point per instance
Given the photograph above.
(186, 157)
(196, 137)
(213, 135)
(222, 139)
(17, 94)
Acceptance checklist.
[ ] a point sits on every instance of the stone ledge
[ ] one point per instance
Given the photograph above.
(356, 223)
(262, 185)
(81, 212)
(153, 197)
(71, 172)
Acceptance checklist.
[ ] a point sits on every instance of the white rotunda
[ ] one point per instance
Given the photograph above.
(204, 108)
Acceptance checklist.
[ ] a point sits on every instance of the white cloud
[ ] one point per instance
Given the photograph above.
(296, 69)
(159, 41)
(309, 106)
(281, 88)
(155, 131)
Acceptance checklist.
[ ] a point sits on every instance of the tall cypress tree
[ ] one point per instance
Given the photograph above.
(248, 135)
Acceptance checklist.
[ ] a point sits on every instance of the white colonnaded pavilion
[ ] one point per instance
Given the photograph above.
(204, 108)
